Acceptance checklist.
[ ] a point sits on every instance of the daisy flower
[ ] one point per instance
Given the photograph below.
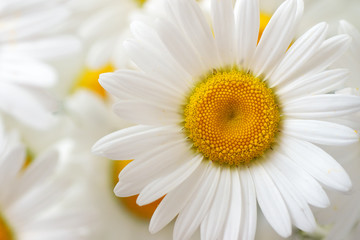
(31, 196)
(226, 123)
(27, 38)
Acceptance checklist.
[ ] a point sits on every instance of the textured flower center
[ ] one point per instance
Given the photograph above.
(232, 117)
(145, 211)
(5, 232)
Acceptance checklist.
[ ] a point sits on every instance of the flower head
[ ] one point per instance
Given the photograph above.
(226, 122)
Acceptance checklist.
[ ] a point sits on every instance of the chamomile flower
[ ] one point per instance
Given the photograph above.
(31, 196)
(27, 37)
(226, 123)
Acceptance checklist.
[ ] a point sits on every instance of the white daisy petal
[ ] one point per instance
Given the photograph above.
(303, 182)
(123, 189)
(65, 220)
(320, 132)
(323, 82)
(44, 48)
(196, 209)
(9, 169)
(270, 201)
(191, 20)
(213, 223)
(100, 53)
(26, 71)
(247, 29)
(249, 207)
(300, 52)
(233, 219)
(128, 143)
(151, 165)
(347, 28)
(157, 156)
(317, 163)
(28, 109)
(298, 208)
(35, 174)
(276, 38)
(98, 24)
(175, 200)
(163, 185)
(139, 86)
(31, 24)
(224, 25)
(329, 51)
(157, 62)
(45, 196)
(178, 45)
(313, 106)
(148, 113)
(142, 31)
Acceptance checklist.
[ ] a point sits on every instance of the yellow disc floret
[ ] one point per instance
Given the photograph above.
(231, 117)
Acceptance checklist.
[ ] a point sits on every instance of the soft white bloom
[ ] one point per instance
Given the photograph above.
(27, 37)
(226, 123)
(32, 196)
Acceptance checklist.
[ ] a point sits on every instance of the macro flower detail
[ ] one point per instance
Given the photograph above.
(232, 117)
(227, 122)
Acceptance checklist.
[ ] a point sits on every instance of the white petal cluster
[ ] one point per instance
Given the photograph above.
(172, 56)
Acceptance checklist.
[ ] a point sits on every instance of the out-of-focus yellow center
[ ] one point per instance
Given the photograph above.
(5, 231)
(144, 212)
(231, 117)
(264, 20)
(140, 2)
(88, 79)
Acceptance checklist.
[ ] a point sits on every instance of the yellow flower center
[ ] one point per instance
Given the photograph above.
(144, 212)
(88, 79)
(5, 231)
(140, 2)
(231, 117)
